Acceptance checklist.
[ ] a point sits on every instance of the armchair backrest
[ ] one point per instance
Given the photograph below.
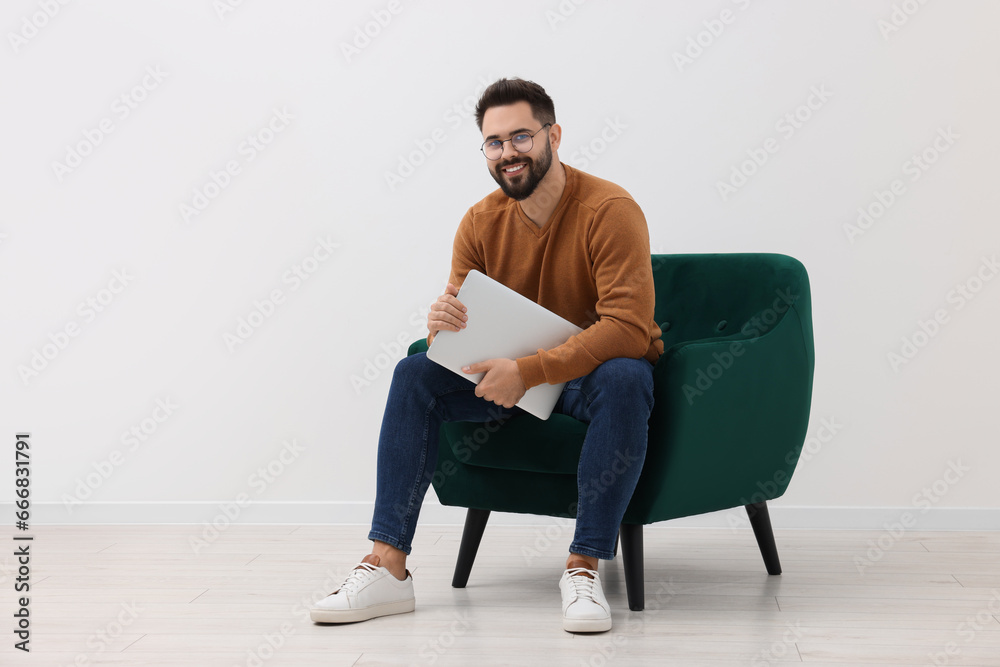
(716, 295)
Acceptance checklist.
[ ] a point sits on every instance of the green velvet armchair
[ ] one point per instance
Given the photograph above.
(732, 394)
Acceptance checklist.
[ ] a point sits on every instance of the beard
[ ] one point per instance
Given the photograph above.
(523, 185)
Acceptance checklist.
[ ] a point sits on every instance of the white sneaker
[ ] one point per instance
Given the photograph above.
(368, 591)
(585, 609)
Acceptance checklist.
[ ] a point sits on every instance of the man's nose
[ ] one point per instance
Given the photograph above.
(514, 151)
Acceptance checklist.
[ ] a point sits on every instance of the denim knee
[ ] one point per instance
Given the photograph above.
(413, 366)
(626, 380)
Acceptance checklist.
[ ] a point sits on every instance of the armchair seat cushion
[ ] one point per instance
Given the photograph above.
(524, 443)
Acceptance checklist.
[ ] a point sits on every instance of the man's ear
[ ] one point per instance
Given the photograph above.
(555, 135)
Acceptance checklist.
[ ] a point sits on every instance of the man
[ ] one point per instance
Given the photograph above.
(579, 246)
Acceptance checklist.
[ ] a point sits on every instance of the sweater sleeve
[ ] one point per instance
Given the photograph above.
(465, 256)
(618, 242)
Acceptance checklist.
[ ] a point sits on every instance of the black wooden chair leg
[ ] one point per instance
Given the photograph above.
(760, 520)
(472, 535)
(631, 539)
(618, 538)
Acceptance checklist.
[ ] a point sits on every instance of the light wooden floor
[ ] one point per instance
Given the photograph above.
(139, 595)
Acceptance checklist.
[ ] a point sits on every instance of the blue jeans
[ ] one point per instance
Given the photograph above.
(614, 400)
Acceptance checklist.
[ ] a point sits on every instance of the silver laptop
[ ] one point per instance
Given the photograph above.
(502, 324)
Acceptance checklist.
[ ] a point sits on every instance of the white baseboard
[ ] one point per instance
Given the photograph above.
(432, 512)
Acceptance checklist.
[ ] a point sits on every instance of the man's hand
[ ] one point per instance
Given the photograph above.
(447, 313)
(502, 383)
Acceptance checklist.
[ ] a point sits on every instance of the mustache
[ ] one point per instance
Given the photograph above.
(508, 163)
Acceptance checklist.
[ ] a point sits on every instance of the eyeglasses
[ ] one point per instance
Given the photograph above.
(522, 143)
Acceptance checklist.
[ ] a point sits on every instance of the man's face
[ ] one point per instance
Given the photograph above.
(517, 174)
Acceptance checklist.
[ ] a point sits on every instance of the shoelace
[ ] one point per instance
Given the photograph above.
(357, 578)
(583, 587)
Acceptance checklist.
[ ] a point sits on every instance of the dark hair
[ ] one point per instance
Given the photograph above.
(508, 91)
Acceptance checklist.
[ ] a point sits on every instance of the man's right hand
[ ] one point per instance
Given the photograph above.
(447, 313)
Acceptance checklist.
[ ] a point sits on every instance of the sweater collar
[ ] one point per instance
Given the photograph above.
(557, 212)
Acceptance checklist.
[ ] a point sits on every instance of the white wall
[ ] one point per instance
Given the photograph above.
(678, 129)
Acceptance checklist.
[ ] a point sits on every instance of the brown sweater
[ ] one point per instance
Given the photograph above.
(589, 263)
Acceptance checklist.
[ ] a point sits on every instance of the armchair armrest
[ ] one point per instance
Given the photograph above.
(417, 346)
(729, 419)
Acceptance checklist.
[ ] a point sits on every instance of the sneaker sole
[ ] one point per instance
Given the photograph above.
(362, 614)
(586, 624)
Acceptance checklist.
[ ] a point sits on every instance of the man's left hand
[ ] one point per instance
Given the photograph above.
(502, 383)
